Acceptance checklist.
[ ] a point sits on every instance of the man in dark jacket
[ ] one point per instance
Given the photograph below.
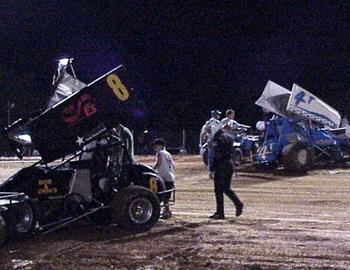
(223, 168)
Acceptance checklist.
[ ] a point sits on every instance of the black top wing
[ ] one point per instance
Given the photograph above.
(67, 126)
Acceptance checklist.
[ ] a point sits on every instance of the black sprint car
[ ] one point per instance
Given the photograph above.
(85, 170)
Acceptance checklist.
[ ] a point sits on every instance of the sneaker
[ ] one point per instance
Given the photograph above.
(217, 216)
(239, 210)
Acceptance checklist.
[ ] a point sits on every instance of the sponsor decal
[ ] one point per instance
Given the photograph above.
(83, 108)
(153, 184)
(324, 142)
(80, 141)
(45, 187)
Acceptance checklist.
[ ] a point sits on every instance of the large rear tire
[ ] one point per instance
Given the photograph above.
(298, 157)
(135, 208)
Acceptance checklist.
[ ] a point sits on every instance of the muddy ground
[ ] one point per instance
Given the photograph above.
(289, 222)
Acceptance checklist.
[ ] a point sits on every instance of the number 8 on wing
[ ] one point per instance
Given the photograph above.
(118, 87)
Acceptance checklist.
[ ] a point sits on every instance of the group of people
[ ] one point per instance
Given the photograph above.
(219, 136)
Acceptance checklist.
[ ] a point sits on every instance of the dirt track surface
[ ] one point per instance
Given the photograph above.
(289, 222)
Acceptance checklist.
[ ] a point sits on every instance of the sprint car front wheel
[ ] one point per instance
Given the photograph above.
(135, 208)
(21, 219)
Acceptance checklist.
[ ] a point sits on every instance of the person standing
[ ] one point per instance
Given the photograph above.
(223, 168)
(127, 137)
(209, 129)
(230, 120)
(344, 121)
(165, 167)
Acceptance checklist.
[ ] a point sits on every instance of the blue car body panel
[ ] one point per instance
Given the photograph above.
(279, 132)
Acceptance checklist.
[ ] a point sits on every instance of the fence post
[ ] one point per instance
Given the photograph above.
(183, 147)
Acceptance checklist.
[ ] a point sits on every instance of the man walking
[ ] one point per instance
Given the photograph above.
(223, 168)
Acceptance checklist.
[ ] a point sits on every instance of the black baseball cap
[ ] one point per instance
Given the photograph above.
(229, 111)
(158, 141)
(215, 112)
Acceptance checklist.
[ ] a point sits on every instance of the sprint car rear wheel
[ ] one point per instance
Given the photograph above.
(3, 231)
(298, 158)
(21, 219)
(135, 208)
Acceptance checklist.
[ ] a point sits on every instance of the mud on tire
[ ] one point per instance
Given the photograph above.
(135, 208)
(298, 157)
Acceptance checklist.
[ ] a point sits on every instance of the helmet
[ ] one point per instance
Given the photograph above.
(260, 125)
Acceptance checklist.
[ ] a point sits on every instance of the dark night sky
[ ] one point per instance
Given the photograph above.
(183, 59)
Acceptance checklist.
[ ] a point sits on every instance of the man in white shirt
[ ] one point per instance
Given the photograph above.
(209, 129)
(165, 167)
(230, 121)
